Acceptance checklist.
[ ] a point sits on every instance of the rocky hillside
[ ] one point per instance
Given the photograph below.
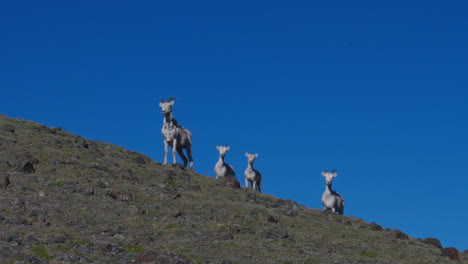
(66, 199)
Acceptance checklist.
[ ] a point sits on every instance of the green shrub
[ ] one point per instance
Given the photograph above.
(41, 251)
(134, 248)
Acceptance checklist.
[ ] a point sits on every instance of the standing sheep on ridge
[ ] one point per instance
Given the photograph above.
(332, 200)
(222, 169)
(174, 135)
(252, 175)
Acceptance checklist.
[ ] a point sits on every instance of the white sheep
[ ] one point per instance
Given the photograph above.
(332, 200)
(174, 135)
(222, 169)
(252, 175)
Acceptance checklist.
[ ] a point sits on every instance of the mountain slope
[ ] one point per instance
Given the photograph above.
(66, 199)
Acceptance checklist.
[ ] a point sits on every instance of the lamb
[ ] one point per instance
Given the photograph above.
(252, 175)
(222, 169)
(176, 136)
(332, 200)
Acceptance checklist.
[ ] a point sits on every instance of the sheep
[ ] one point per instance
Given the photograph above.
(332, 200)
(176, 136)
(222, 169)
(252, 175)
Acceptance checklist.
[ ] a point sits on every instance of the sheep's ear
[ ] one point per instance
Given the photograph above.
(217, 147)
(228, 148)
(323, 174)
(256, 155)
(172, 103)
(160, 104)
(335, 174)
(247, 154)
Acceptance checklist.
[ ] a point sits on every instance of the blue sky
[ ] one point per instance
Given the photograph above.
(375, 90)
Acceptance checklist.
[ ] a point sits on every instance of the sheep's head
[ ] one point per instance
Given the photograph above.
(222, 150)
(329, 176)
(251, 157)
(166, 107)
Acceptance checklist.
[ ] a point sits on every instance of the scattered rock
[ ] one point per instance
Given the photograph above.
(196, 188)
(140, 158)
(170, 258)
(50, 130)
(120, 196)
(7, 128)
(178, 166)
(112, 249)
(82, 143)
(127, 174)
(451, 253)
(230, 182)
(108, 232)
(270, 218)
(176, 196)
(395, 233)
(26, 163)
(56, 238)
(5, 182)
(87, 190)
(101, 184)
(16, 221)
(177, 214)
(292, 209)
(276, 235)
(432, 241)
(101, 167)
(375, 227)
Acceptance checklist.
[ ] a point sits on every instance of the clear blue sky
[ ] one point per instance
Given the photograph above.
(375, 90)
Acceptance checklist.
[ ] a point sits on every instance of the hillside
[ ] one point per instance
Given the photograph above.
(66, 199)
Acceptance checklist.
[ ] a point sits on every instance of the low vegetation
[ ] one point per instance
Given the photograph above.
(66, 199)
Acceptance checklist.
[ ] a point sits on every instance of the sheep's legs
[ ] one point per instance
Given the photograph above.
(189, 154)
(182, 156)
(165, 151)
(174, 156)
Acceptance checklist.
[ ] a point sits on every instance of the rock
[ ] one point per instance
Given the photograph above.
(81, 143)
(140, 158)
(87, 190)
(127, 174)
(7, 128)
(120, 196)
(275, 235)
(177, 214)
(432, 241)
(158, 258)
(178, 166)
(395, 233)
(101, 184)
(451, 253)
(5, 182)
(375, 227)
(270, 218)
(196, 188)
(112, 249)
(176, 196)
(56, 238)
(50, 130)
(101, 167)
(231, 182)
(292, 210)
(17, 221)
(26, 163)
